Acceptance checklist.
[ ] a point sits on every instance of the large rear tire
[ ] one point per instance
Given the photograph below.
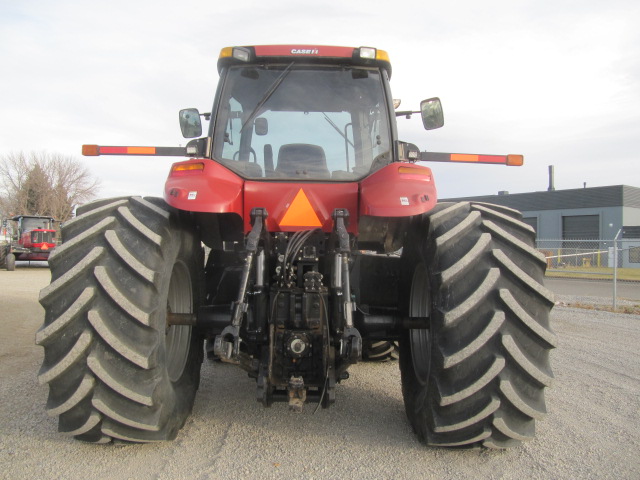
(115, 370)
(477, 375)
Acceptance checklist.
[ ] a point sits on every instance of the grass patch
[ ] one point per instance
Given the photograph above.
(596, 273)
(629, 309)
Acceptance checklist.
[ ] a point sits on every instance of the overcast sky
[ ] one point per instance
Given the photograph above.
(557, 81)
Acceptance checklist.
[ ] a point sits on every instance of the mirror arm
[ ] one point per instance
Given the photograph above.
(406, 113)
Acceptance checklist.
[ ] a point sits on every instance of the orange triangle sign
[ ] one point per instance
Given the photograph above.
(300, 213)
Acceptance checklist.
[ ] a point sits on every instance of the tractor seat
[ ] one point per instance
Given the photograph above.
(301, 160)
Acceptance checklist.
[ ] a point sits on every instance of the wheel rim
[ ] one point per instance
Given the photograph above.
(178, 337)
(420, 306)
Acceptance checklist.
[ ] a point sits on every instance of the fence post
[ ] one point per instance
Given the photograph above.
(615, 270)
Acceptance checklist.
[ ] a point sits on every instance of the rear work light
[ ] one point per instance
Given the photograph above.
(368, 52)
(371, 53)
(239, 53)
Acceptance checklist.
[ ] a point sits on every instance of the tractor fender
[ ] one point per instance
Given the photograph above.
(210, 187)
(398, 190)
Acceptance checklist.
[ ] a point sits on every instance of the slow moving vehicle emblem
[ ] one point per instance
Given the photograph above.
(300, 213)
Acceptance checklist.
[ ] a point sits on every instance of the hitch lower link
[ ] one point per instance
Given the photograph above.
(227, 345)
(351, 342)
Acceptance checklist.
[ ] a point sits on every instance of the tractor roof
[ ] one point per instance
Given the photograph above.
(320, 54)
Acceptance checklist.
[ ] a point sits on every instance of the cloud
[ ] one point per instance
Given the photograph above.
(560, 84)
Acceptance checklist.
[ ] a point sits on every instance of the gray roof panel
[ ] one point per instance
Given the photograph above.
(593, 197)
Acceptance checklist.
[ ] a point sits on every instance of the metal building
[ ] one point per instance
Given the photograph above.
(580, 213)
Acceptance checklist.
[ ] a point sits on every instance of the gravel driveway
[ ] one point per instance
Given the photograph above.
(592, 430)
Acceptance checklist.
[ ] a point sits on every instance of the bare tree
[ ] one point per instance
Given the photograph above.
(43, 184)
(14, 170)
(70, 185)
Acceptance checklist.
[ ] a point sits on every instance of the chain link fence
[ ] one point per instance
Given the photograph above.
(613, 260)
(591, 256)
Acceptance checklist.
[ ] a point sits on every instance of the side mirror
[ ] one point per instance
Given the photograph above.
(432, 116)
(190, 123)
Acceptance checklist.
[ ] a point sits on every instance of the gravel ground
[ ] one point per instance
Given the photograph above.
(592, 430)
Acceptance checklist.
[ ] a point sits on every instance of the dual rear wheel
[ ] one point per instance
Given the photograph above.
(115, 369)
(477, 375)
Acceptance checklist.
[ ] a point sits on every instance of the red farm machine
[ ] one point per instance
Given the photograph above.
(323, 234)
(34, 239)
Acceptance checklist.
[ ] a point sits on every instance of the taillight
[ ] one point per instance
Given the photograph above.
(181, 169)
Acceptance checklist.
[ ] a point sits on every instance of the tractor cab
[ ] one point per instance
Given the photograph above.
(302, 121)
(301, 114)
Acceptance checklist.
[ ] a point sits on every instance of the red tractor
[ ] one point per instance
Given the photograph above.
(34, 241)
(323, 235)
